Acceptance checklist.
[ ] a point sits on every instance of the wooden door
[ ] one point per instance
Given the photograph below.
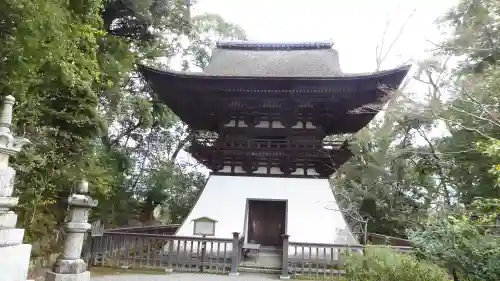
(266, 222)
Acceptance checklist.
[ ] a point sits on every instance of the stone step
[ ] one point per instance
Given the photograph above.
(275, 251)
(269, 258)
(271, 249)
(253, 269)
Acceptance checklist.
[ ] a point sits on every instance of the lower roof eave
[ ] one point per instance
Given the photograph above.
(165, 79)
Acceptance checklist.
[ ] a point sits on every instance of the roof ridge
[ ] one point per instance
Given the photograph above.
(254, 46)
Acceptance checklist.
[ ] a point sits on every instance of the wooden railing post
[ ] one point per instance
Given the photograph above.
(171, 257)
(234, 255)
(240, 249)
(284, 266)
(89, 241)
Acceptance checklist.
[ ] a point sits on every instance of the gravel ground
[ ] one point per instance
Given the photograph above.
(185, 277)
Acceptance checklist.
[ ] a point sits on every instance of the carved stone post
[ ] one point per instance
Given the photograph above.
(69, 265)
(234, 256)
(284, 266)
(15, 255)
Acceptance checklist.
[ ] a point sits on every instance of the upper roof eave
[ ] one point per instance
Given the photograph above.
(342, 77)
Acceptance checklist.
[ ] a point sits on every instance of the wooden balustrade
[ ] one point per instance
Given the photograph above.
(266, 144)
(140, 250)
(216, 255)
(167, 229)
(322, 260)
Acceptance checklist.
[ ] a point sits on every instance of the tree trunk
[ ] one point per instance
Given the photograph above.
(147, 214)
(455, 275)
(180, 146)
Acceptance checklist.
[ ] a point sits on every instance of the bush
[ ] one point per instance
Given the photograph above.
(384, 264)
(462, 245)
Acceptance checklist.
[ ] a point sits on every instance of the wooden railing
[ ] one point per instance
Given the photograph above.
(266, 144)
(321, 260)
(166, 229)
(215, 255)
(141, 250)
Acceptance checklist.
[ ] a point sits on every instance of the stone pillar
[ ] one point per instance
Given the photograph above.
(15, 255)
(69, 265)
(284, 267)
(235, 259)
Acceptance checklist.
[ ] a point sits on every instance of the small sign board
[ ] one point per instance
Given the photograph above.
(204, 226)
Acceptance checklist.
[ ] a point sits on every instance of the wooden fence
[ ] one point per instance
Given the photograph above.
(321, 260)
(168, 229)
(142, 250)
(213, 255)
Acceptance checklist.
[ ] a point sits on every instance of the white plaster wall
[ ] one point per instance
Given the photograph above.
(313, 215)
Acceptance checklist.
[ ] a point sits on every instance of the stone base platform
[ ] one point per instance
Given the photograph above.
(15, 262)
(52, 276)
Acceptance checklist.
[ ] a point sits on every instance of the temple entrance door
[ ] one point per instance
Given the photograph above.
(266, 222)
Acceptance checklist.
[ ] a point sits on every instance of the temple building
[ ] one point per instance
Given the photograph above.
(262, 113)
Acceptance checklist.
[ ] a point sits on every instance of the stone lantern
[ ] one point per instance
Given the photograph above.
(69, 266)
(15, 255)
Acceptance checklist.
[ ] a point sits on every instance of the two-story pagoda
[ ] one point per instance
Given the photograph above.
(267, 109)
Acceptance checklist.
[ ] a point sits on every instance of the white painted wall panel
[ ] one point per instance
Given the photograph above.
(313, 214)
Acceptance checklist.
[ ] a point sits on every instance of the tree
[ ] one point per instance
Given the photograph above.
(70, 66)
(402, 169)
(463, 243)
(387, 265)
(50, 66)
(206, 28)
(152, 136)
(476, 31)
(387, 178)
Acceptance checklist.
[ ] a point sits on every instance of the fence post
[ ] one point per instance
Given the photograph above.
(87, 248)
(235, 255)
(96, 230)
(170, 257)
(284, 266)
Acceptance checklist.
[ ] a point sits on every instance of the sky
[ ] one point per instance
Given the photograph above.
(356, 27)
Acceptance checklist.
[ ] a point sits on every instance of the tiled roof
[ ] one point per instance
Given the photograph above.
(242, 58)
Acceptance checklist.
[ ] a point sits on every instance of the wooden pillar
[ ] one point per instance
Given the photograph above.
(284, 266)
(235, 255)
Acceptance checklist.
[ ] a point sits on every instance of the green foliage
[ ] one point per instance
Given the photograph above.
(49, 51)
(432, 151)
(387, 182)
(476, 39)
(465, 244)
(80, 101)
(476, 33)
(204, 28)
(386, 265)
(492, 149)
(405, 176)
